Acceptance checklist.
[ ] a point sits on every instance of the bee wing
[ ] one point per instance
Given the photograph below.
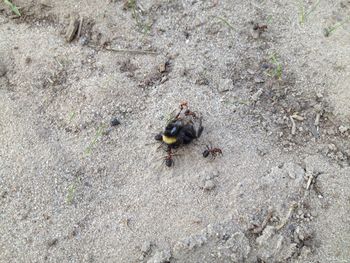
(171, 116)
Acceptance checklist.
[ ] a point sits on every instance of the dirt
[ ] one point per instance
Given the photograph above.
(273, 91)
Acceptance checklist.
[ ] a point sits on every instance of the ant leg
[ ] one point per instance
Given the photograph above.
(161, 145)
(200, 128)
(211, 156)
(210, 147)
(199, 132)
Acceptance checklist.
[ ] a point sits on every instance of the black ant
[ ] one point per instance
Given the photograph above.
(214, 152)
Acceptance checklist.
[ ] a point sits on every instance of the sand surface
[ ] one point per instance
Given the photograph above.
(274, 94)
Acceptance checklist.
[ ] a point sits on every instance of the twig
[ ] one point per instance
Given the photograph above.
(260, 228)
(293, 125)
(297, 117)
(309, 182)
(317, 119)
(330, 29)
(80, 26)
(134, 51)
(290, 211)
(225, 21)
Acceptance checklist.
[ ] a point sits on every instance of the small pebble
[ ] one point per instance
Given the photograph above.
(146, 246)
(319, 95)
(209, 185)
(251, 71)
(83, 41)
(259, 80)
(225, 85)
(72, 29)
(332, 147)
(162, 67)
(115, 122)
(255, 97)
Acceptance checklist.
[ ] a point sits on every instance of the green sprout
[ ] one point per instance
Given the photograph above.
(277, 70)
(13, 7)
(303, 14)
(137, 15)
(71, 116)
(71, 193)
(225, 21)
(269, 19)
(72, 190)
(329, 30)
(98, 134)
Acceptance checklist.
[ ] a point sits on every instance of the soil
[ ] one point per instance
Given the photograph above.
(82, 178)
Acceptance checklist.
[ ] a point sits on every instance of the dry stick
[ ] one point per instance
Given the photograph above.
(293, 125)
(291, 209)
(80, 26)
(132, 51)
(259, 229)
(297, 117)
(317, 119)
(309, 182)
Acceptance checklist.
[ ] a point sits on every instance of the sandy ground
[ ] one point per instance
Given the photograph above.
(76, 189)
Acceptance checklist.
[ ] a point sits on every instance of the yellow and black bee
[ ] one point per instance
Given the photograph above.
(182, 129)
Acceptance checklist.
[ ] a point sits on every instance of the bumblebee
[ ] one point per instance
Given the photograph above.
(182, 129)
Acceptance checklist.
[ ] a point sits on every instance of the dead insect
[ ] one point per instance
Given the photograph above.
(214, 152)
(183, 129)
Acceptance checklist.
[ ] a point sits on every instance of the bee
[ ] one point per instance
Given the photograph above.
(214, 152)
(182, 129)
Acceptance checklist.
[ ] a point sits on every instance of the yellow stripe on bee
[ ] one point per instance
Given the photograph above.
(169, 140)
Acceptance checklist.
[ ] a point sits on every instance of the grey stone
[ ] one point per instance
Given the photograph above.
(256, 95)
(273, 247)
(209, 185)
(146, 247)
(225, 85)
(160, 257)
